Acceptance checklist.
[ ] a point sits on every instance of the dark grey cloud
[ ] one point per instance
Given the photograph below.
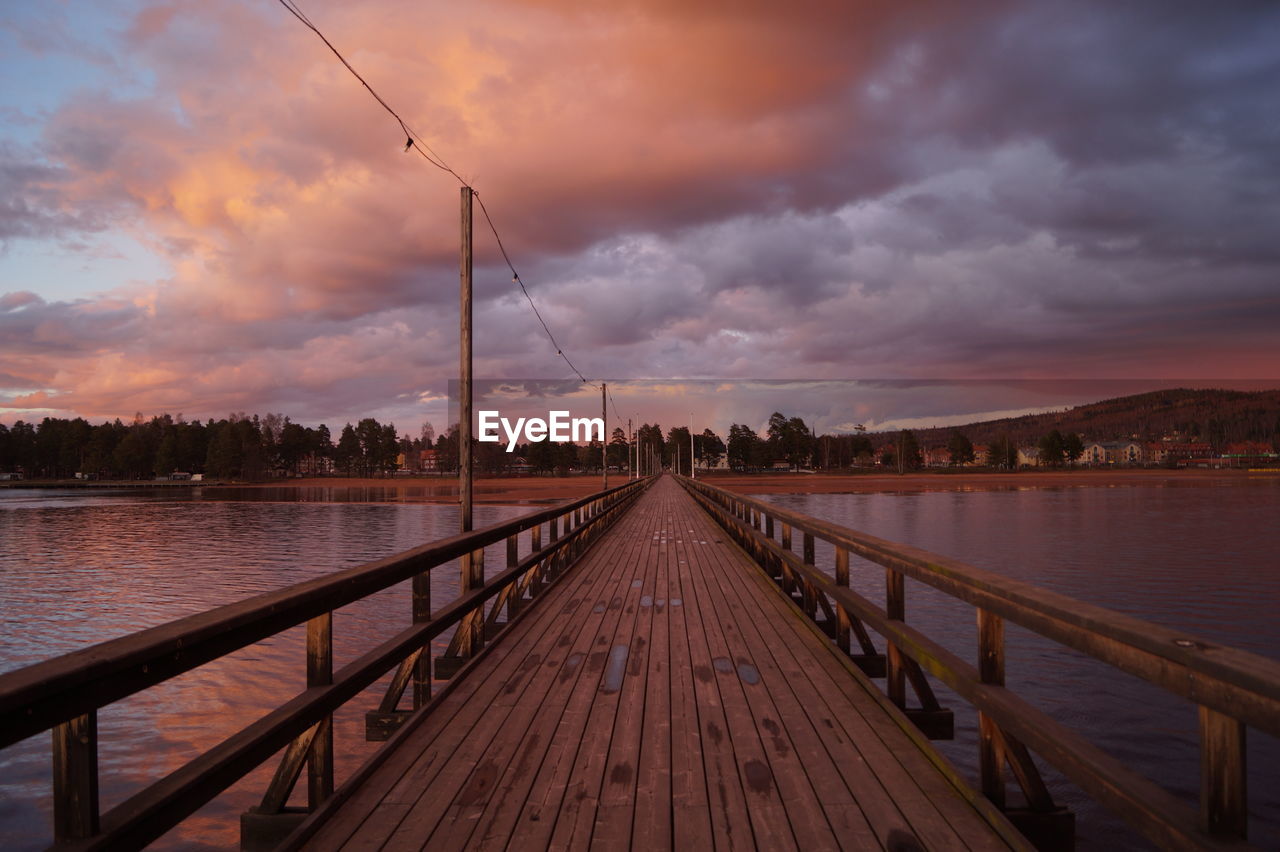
(32, 200)
(31, 326)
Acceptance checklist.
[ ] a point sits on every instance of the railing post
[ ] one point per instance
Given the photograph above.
(421, 614)
(842, 614)
(896, 609)
(320, 673)
(475, 620)
(991, 755)
(75, 778)
(1224, 808)
(808, 589)
(768, 526)
(513, 559)
(536, 545)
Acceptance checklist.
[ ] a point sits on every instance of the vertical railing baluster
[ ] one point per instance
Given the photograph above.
(477, 616)
(1224, 810)
(842, 614)
(536, 545)
(788, 585)
(320, 673)
(809, 590)
(422, 614)
(513, 559)
(896, 609)
(991, 756)
(75, 778)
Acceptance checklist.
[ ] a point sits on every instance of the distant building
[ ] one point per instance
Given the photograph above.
(937, 457)
(1100, 453)
(981, 455)
(1184, 451)
(315, 465)
(1028, 457)
(429, 461)
(1250, 454)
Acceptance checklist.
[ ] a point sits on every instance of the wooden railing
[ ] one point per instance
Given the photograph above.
(1234, 689)
(64, 694)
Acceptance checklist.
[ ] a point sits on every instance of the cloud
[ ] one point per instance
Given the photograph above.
(712, 189)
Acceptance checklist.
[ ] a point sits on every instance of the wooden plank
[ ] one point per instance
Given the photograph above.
(457, 764)
(797, 629)
(830, 714)
(652, 812)
(530, 810)
(735, 750)
(761, 746)
(926, 800)
(420, 755)
(691, 814)
(726, 799)
(754, 715)
(488, 822)
(625, 664)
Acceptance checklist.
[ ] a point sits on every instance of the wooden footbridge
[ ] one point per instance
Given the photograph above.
(661, 670)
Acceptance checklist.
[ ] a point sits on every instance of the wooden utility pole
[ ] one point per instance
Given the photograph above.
(604, 449)
(693, 473)
(464, 370)
(472, 564)
(631, 472)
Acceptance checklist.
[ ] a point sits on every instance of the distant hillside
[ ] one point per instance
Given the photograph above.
(1220, 417)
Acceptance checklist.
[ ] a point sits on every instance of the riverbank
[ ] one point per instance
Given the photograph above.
(555, 489)
(839, 483)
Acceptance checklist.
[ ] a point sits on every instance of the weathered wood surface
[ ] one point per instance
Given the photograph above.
(663, 695)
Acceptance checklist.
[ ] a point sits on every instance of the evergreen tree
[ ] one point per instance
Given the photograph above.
(960, 448)
(348, 455)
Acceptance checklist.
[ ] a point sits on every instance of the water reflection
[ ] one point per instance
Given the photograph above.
(80, 568)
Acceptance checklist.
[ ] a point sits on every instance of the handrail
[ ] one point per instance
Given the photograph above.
(36, 697)
(1233, 688)
(64, 693)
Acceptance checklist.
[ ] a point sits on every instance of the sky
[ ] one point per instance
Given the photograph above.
(202, 212)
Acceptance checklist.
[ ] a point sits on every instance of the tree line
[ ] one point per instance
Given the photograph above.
(243, 446)
(239, 446)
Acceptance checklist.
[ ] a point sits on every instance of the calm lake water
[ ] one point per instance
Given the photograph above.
(79, 567)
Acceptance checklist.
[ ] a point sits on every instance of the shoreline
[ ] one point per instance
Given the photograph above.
(555, 489)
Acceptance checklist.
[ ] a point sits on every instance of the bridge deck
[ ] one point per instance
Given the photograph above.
(663, 694)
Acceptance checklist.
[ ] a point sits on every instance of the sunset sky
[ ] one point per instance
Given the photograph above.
(202, 211)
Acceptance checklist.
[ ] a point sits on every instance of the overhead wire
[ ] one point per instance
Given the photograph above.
(417, 143)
